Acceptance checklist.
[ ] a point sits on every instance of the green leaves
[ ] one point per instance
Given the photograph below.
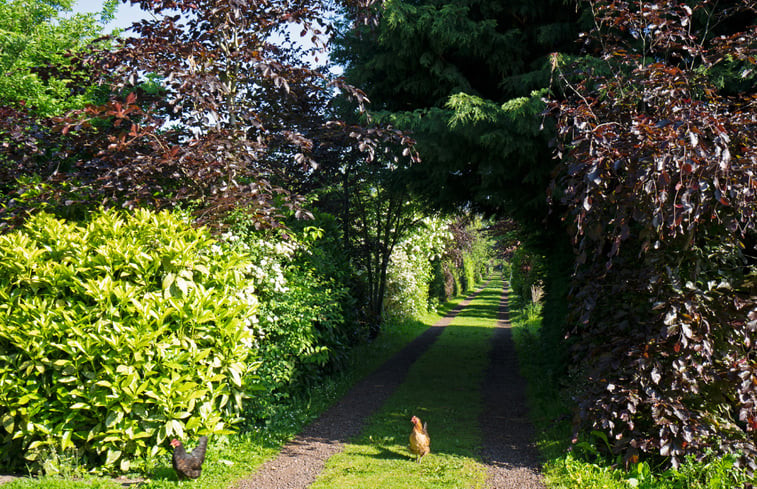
(467, 78)
(35, 37)
(118, 334)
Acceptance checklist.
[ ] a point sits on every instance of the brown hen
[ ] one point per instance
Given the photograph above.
(420, 442)
(189, 465)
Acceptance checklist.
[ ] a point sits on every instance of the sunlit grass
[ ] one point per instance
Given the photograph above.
(443, 389)
(60, 483)
(583, 467)
(235, 457)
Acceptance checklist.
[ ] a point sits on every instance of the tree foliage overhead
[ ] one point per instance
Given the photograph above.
(210, 105)
(658, 137)
(38, 79)
(464, 76)
(36, 35)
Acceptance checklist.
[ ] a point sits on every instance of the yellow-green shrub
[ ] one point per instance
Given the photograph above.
(118, 334)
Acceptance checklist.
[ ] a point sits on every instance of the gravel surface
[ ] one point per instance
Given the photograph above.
(508, 435)
(508, 448)
(300, 461)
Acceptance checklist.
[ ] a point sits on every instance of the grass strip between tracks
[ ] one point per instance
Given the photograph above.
(443, 388)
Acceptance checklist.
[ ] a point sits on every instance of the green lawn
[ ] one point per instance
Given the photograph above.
(234, 457)
(443, 389)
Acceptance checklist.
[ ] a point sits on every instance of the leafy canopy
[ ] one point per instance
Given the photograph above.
(465, 76)
(208, 105)
(35, 37)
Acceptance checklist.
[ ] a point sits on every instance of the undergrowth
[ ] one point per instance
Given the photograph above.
(233, 457)
(582, 465)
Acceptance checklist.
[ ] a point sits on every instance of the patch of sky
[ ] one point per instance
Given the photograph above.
(118, 16)
(123, 17)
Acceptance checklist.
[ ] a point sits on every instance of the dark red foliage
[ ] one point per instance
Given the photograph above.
(212, 105)
(27, 148)
(658, 139)
(20, 133)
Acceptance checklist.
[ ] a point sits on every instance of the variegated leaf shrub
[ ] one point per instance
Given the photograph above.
(118, 334)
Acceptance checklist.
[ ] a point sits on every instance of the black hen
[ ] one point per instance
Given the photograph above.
(189, 465)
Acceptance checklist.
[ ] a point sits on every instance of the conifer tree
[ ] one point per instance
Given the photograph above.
(466, 76)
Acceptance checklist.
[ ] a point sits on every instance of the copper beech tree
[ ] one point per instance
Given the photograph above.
(220, 106)
(658, 143)
(212, 104)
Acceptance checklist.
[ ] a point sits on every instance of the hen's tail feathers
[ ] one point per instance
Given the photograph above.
(202, 446)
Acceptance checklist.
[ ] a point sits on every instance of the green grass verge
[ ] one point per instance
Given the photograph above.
(60, 483)
(443, 389)
(234, 457)
(584, 467)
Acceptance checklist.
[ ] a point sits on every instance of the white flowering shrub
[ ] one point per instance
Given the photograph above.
(411, 268)
(299, 327)
(438, 259)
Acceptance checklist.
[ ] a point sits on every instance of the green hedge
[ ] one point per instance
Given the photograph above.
(117, 335)
(301, 324)
(527, 270)
(303, 331)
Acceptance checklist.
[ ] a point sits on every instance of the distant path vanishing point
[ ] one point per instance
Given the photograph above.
(302, 459)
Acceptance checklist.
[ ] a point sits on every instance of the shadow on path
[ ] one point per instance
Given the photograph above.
(507, 432)
(301, 460)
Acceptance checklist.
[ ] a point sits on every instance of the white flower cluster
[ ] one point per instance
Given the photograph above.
(268, 274)
(264, 274)
(269, 258)
(277, 248)
(410, 269)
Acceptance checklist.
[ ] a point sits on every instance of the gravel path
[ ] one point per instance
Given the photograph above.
(508, 436)
(300, 461)
(508, 449)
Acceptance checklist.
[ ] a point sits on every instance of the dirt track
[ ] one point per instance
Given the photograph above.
(508, 436)
(301, 460)
(508, 450)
